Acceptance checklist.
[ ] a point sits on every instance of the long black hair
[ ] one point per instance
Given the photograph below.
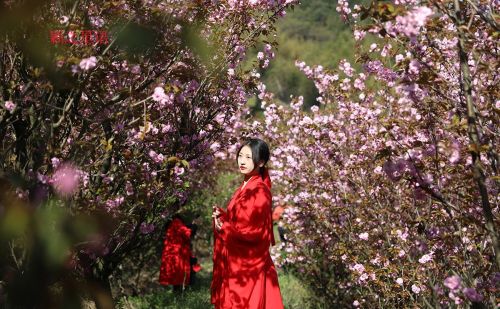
(260, 152)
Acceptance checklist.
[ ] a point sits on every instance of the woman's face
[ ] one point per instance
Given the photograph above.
(245, 162)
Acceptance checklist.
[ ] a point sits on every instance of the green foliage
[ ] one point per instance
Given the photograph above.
(201, 202)
(196, 296)
(313, 33)
(35, 252)
(295, 294)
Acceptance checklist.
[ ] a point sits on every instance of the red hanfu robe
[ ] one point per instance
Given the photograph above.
(244, 276)
(175, 268)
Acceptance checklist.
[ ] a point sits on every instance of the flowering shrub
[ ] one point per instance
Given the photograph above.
(122, 127)
(392, 180)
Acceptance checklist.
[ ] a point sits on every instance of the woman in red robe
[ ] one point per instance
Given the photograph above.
(244, 276)
(175, 260)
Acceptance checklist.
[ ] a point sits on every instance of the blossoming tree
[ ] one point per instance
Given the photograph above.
(108, 103)
(391, 182)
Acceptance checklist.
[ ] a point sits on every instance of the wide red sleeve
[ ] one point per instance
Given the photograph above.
(253, 213)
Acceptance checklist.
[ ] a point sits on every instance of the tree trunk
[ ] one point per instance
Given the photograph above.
(473, 133)
(100, 291)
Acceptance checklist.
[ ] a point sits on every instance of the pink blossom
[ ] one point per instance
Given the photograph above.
(425, 258)
(359, 268)
(385, 50)
(65, 180)
(96, 21)
(411, 23)
(160, 96)
(88, 63)
(363, 236)
(43, 178)
(55, 162)
(343, 8)
(146, 228)
(415, 289)
(63, 19)
(129, 189)
(359, 35)
(456, 299)
(10, 106)
(472, 295)
(455, 153)
(346, 67)
(359, 84)
(136, 69)
(399, 281)
(414, 67)
(420, 15)
(453, 282)
(178, 170)
(155, 156)
(152, 154)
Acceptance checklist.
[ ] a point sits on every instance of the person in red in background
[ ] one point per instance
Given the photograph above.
(244, 276)
(277, 212)
(175, 259)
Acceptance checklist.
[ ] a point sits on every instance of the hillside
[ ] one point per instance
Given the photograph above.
(313, 32)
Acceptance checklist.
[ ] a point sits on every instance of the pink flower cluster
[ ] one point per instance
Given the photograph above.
(378, 179)
(162, 98)
(88, 63)
(67, 178)
(411, 23)
(10, 106)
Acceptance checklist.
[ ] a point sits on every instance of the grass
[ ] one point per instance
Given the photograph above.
(295, 295)
(195, 297)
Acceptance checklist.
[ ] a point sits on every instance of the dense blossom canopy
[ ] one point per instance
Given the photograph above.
(391, 181)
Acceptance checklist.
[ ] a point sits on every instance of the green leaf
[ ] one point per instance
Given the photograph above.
(172, 159)
(15, 221)
(191, 38)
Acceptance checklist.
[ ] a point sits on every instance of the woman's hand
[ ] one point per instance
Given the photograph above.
(218, 224)
(216, 215)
